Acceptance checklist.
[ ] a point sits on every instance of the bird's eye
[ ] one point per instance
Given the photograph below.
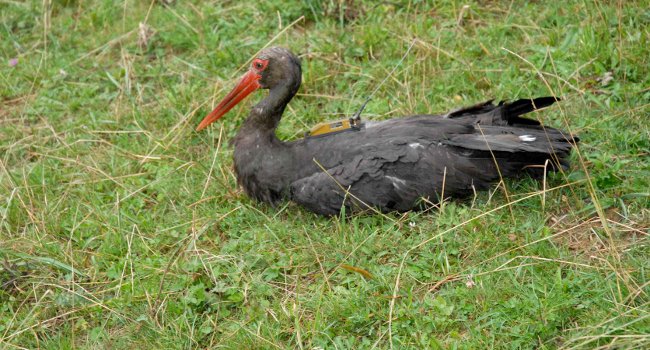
(260, 64)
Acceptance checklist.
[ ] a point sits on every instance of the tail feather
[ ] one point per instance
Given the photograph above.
(510, 112)
(505, 113)
(515, 142)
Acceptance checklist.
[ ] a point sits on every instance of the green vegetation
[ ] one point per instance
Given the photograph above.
(122, 228)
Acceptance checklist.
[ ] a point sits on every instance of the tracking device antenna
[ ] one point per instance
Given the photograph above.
(357, 115)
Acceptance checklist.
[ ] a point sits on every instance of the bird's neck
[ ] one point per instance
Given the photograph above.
(265, 116)
(263, 163)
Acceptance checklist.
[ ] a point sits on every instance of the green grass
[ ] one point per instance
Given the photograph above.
(122, 228)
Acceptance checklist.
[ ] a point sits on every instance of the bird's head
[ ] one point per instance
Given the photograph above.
(275, 68)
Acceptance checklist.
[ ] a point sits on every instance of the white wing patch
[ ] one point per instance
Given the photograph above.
(397, 182)
(415, 145)
(527, 138)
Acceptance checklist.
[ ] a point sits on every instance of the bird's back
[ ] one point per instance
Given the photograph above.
(391, 164)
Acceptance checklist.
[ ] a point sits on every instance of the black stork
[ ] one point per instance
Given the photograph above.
(388, 165)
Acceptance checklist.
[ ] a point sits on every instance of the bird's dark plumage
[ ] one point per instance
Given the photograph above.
(388, 165)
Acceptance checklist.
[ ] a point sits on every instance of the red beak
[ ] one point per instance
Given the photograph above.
(248, 84)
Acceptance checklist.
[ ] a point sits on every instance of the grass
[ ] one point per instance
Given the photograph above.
(120, 227)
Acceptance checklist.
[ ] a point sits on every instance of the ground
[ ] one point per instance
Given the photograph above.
(123, 228)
